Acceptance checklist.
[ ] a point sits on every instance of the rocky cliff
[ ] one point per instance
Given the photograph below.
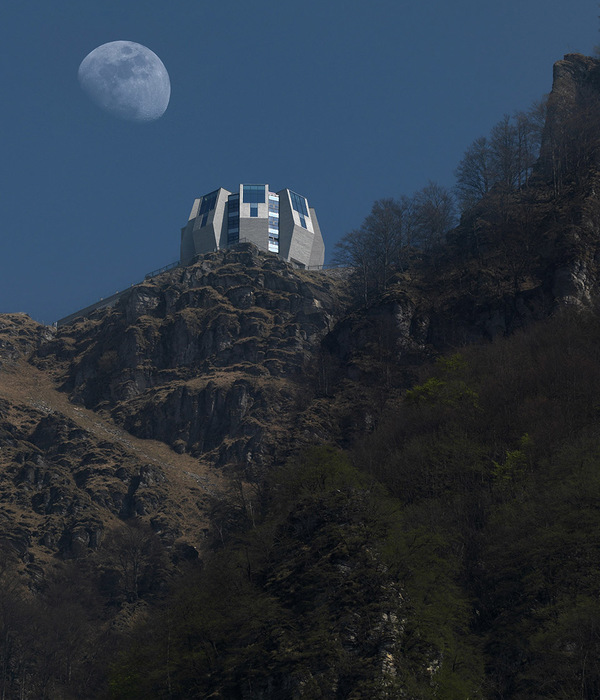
(206, 358)
(133, 411)
(516, 257)
(71, 475)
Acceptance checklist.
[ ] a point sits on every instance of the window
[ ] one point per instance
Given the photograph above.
(254, 210)
(233, 219)
(273, 246)
(254, 194)
(302, 221)
(299, 204)
(274, 204)
(204, 220)
(233, 211)
(233, 234)
(209, 201)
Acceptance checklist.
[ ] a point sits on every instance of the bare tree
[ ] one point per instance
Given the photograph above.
(379, 247)
(354, 251)
(137, 557)
(571, 141)
(387, 228)
(434, 214)
(504, 151)
(506, 157)
(14, 616)
(529, 128)
(474, 174)
(376, 250)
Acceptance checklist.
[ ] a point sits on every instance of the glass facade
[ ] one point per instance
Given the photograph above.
(254, 194)
(209, 201)
(299, 203)
(273, 223)
(234, 205)
(233, 219)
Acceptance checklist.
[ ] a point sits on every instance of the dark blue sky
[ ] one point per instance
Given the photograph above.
(344, 102)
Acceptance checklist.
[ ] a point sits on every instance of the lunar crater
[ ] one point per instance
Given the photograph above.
(127, 80)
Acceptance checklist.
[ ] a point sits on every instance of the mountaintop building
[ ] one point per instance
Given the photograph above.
(277, 222)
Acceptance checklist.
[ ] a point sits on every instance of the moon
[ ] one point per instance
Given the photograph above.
(127, 80)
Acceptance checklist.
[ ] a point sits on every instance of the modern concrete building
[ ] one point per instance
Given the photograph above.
(277, 222)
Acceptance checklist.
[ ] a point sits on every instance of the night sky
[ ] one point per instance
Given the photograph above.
(344, 102)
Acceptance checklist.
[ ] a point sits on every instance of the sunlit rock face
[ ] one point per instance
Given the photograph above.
(205, 357)
(572, 284)
(19, 336)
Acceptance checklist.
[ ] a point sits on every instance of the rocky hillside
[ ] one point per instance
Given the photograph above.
(134, 411)
(206, 358)
(516, 257)
(69, 474)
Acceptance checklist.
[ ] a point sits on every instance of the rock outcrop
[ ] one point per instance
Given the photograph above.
(69, 476)
(20, 336)
(206, 358)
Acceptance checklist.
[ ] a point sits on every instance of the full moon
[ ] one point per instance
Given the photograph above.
(127, 80)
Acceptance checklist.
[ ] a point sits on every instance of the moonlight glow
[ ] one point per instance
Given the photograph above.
(127, 80)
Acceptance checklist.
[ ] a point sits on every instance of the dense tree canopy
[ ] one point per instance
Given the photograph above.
(450, 554)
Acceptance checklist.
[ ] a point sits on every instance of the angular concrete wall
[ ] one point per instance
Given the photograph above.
(196, 238)
(255, 230)
(301, 245)
(317, 254)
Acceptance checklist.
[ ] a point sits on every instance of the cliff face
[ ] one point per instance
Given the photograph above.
(520, 254)
(208, 360)
(575, 89)
(205, 358)
(69, 475)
